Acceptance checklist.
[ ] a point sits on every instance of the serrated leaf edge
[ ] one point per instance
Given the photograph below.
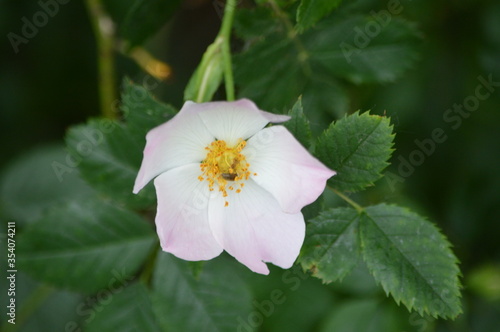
(399, 300)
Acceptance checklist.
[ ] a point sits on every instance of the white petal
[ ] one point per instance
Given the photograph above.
(285, 168)
(180, 141)
(230, 121)
(182, 216)
(254, 229)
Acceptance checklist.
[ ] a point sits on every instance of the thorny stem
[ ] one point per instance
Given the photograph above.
(104, 34)
(225, 34)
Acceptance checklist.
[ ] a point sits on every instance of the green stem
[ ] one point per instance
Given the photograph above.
(355, 205)
(103, 28)
(29, 306)
(225, 34)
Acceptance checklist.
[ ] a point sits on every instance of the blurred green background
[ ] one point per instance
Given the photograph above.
(51, 84)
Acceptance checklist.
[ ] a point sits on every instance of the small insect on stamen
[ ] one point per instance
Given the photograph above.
(229, 176)
(225, 167)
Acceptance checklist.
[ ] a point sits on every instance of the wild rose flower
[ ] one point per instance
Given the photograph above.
(225, 181)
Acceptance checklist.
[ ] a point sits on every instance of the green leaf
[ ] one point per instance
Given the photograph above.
(142, 110)
(293, 301)
(109, 153)
(411, 259)
(117, 9)
(357, 147)
(311, 11)
(359, 283)
(375, 316)
(331, 249)
(109, 159)
(85, 246)
(278, 65)
(272, 84)
(129, 310)
(253, 23)
(137, 20)
(216, 301)
(38, 179)
(313, 210)
(323, 93)
(54, 311)
(298, 125)
(361, 49)
(208, 76)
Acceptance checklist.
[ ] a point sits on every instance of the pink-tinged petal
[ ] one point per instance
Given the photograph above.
(182, 217)
(180, 141)
(254, 229)
(285, 168)
(274, 118)
(230, 121)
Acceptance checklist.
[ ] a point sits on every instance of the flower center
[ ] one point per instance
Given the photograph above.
(225, 168)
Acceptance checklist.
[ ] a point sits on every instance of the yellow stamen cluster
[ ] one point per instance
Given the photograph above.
(225, 167)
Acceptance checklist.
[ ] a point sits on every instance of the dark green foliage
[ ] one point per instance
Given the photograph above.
(311, 11)
(216, 300)
(129, 310)
(332, 249)
(315, 63)
(139, 19)
(85, 246)
(411, 259)
(358, 148)
(299, 124)
(108, 153)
